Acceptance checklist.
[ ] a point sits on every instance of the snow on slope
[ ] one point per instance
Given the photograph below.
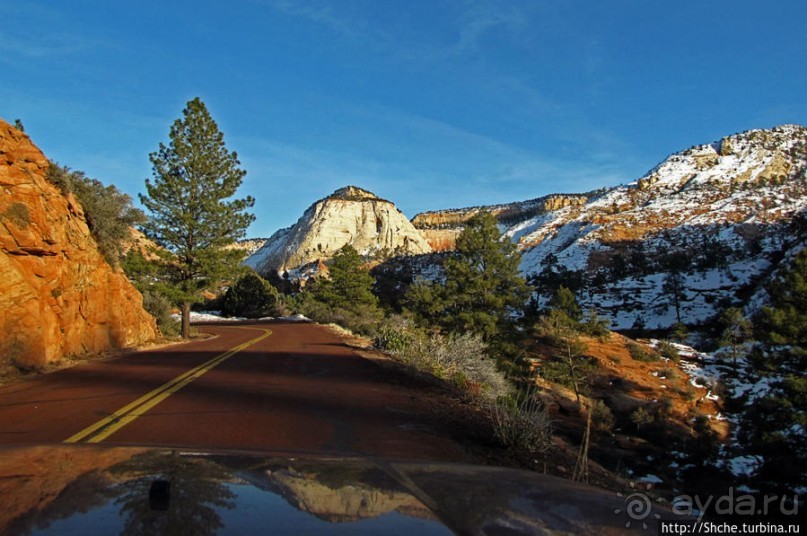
(718, 215)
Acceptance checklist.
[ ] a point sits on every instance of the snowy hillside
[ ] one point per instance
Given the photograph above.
(699, 232)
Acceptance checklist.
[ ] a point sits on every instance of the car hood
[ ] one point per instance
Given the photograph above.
(132, 490)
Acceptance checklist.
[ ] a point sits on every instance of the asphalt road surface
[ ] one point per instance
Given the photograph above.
(273, 386)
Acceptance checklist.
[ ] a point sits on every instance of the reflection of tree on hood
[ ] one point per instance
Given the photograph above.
(196, 492)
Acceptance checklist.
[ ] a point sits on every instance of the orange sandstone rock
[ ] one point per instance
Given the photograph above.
(58, 297)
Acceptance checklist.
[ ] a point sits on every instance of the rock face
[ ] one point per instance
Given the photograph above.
(442, 227)
(348, 216)
(58, 297)
(248, 245)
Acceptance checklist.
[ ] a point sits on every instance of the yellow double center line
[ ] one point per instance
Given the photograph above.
(104, 428)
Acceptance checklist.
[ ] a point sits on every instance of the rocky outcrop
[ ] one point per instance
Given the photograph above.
(248, 245)
(351, 216)
(442, 239)
(442, 227)
(58, 297)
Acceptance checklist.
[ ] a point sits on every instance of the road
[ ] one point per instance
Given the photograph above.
(281, 387)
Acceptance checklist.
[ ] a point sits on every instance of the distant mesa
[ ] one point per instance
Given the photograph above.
(442, 227)
(349, 216)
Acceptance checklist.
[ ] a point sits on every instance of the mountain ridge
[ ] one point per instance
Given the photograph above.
(730, 208)
(717, 215)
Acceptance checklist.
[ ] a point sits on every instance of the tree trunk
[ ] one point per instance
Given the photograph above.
(186, 320)
(677, 307)
(570, 362)
(580, 473)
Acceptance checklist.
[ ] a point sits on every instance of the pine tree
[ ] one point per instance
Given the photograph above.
(673, 285)
(735, 331)
(565, 301)
(785, 320)
(482, 284)
(192, 213)
(562, 328)
(348, 284)
(773, 427)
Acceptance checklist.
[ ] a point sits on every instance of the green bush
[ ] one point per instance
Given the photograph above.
(641, 353)
(603, 417)
(666, 349)
(641, 417)
(595, 325)
(19, 215)
(668, 372)
(392, 339)
(361, 318)
(664, 408)
(160, 308)
(109, 212)
(251, 297)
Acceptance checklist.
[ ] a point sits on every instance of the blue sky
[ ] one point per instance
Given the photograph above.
(431, 104)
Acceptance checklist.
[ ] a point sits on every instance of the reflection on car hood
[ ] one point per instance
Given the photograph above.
(122, 490)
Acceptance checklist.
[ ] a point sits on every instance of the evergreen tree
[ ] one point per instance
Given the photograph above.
(252, 297)
(561, 327)
(673, 285)
(192, 213)
(774, 426)
(482, 283)
(735, 331)
(785, 320)
(348, 284)
(567, 365)
(565, 301)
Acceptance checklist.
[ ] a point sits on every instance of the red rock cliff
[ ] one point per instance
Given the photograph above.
(58, 297)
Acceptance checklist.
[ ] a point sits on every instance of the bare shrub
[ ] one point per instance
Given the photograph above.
(461, 359)
(19, 215)
(465, 357)
(603, 417)
(522, 422)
